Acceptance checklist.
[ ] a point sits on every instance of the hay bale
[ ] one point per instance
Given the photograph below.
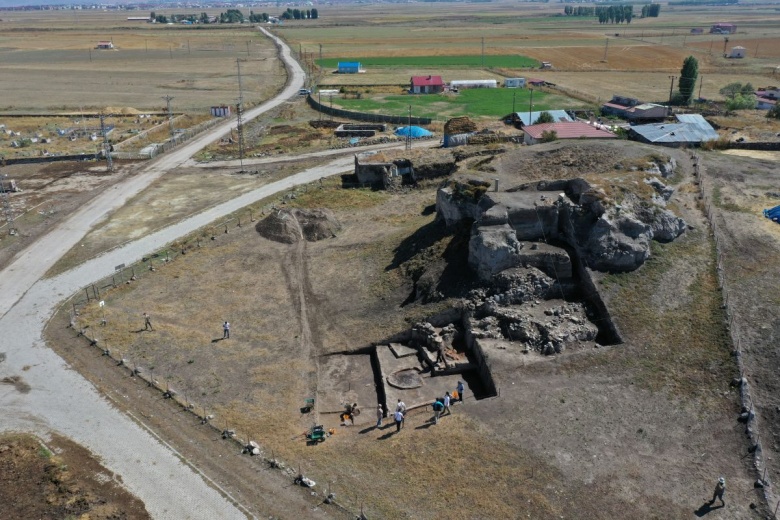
(459, 125)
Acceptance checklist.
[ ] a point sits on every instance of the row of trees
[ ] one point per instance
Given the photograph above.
(300, 14)
(651, 10)
(235, 16)
(615, 13)
(570, 10)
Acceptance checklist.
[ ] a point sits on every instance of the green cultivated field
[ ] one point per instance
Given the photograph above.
(507, 61)
(478, 102)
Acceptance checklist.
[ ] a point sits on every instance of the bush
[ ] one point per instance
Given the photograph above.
(741, 102)
(774, 112)
(549, 136)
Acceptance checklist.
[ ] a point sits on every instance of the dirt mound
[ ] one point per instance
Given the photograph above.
(291, 225)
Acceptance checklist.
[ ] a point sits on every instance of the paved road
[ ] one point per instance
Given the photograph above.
(60, 400)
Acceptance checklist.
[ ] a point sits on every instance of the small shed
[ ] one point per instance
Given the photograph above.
(737, 52)
(514, 83)
(105, 45)
(349, 67)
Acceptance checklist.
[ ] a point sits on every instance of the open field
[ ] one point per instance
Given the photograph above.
(509, 61)
(48, 64)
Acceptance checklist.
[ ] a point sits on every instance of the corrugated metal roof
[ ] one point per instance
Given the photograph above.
(692, 128)
(568, 130)
(557, 115)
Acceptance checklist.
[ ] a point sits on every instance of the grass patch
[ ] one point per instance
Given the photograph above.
(685, 349)
(492, 102)
(514, 61)
(331, 195)
(718, 200)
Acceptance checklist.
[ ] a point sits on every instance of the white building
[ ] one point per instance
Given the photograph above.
(514, 83)
(473, 83)
(737, 52)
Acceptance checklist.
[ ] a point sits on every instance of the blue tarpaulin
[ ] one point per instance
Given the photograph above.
(416, 131)
(773, 214)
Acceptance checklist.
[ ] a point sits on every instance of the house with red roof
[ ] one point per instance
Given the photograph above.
(426, 85)
(766, 98)
(566, 130)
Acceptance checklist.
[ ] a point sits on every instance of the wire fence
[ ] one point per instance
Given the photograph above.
(91, 334)
(733, 321)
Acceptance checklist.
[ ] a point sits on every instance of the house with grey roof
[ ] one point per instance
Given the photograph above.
(689, 130)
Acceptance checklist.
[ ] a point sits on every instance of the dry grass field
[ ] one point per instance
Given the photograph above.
(48, 63)
(632, 431)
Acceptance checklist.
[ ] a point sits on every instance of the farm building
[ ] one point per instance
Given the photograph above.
(766, 98)
(566, 130)
(426, 85)
(522, 119)
(737, 52)
(105, 45)
(634, 111)
(514, 83)
(536, 82)
(473, 83)
(349, 67)
(723, 28)
(690, 129)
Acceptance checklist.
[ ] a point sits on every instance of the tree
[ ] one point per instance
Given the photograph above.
(741, 102)
(733, 89)
(549, 136)
(774, 112)
(544, 117)
(687, 82)
(314, 14)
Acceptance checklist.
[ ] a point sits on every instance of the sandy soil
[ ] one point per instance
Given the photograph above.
(638, 430)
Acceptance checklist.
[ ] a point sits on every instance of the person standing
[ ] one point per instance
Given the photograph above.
(148, 322)
(460, 388)
(720, 489)
(226, 330)
(380, 413)
(400, 407)
(438, 406)
(447, 399)
(399, 420)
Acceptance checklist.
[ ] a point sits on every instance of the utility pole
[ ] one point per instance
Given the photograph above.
(170, 115)
(530, 106)
(514, 96)
(606, 48)
(409, 130)
(239, 117)
(106, 144)
(320, 55)
(483, 51)
(671, 86)
(725, 42)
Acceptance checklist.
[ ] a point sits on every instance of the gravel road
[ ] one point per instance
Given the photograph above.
(53, 398)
